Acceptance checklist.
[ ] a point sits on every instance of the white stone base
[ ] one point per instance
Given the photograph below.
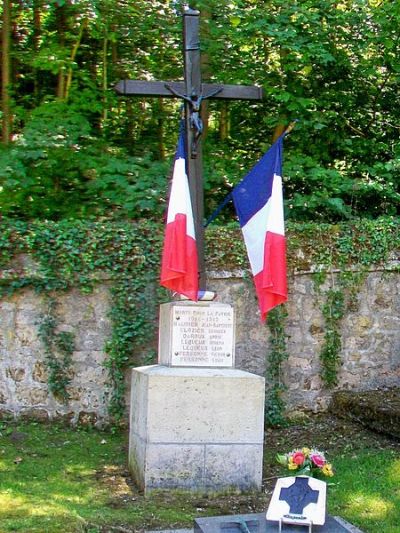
(196, 428)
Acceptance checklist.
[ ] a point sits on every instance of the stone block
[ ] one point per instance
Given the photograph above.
(15, 373)
(196, 428)
(87, 419)
(31, 413)
(220, 409)
(233, 465)
(175, 465)
(376, 409)
(31, 396)
(39, 372)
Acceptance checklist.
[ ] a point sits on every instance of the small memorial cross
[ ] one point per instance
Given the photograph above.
(298, 495)
(298, 500)
(193, 92)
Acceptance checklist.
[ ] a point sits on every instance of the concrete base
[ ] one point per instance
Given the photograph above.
(198, 429)
(256, 523)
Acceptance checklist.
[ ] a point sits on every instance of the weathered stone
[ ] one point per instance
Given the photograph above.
(297, 416)
(369, 355)
(196, 428)
(41, 415)
(68, 418)
(74, 393)
(312, 383)
(299, 362)
(382, 301)
(6, 414)
(16, 374)
(87, 419)
(39, 372)
(316, 329)
(376, 409)
(32, 396)
(364, 322)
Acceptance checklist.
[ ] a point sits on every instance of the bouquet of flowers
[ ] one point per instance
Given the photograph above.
(306, 462)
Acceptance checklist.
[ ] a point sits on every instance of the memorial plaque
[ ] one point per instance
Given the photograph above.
(297, 500)
(196, 334)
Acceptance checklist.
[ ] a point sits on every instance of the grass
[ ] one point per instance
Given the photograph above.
(368, 492)
(55, 479)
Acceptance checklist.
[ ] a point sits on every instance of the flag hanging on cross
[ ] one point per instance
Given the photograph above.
(179, 264)
(258, 200)
(193, 92)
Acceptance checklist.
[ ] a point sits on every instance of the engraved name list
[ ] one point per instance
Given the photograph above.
(202, 336)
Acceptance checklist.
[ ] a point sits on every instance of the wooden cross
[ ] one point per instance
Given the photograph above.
(193, 92)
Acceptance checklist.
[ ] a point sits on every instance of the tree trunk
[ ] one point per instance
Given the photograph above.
(37, 30)
(279, 129)
(6, 72)
(288, 81)
(74, 51)
(104, 80)
(61, 23)
(160, 130)
(224, 122)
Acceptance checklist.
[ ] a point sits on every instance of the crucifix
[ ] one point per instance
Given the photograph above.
(193, 92)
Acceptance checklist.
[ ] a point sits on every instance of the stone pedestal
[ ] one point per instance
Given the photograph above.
(196, 428)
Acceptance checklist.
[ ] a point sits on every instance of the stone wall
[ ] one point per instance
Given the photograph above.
(370, 347)
(370, 336)
(23, 377)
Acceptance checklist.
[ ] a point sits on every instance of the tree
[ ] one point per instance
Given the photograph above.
(6, 72)
(332, 65)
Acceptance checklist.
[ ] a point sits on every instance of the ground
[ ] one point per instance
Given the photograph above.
(325, 432)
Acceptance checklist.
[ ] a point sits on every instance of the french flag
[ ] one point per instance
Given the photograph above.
(179, 265)
(258, 201)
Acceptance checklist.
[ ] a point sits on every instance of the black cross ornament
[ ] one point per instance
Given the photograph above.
(193, 92)
(299, 495)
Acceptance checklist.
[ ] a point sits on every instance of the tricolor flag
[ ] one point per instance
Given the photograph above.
(258, 201)
(179, 267)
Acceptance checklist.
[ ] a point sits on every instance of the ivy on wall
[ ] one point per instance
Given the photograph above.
(277, 354)
(81, 254)
(333, 312)
(58, 349)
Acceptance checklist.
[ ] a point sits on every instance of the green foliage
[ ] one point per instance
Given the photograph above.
(80, 149)
(81, 254)
(333, 311)
(373, 505)
(65, 480)
(353, 249)
(356, 243)
(58, 348)
(277, 354)
(57, 169)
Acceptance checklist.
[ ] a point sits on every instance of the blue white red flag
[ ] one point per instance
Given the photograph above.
(258, 201)
(179, 266)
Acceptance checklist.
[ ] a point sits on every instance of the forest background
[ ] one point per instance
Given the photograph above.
(72, 148)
